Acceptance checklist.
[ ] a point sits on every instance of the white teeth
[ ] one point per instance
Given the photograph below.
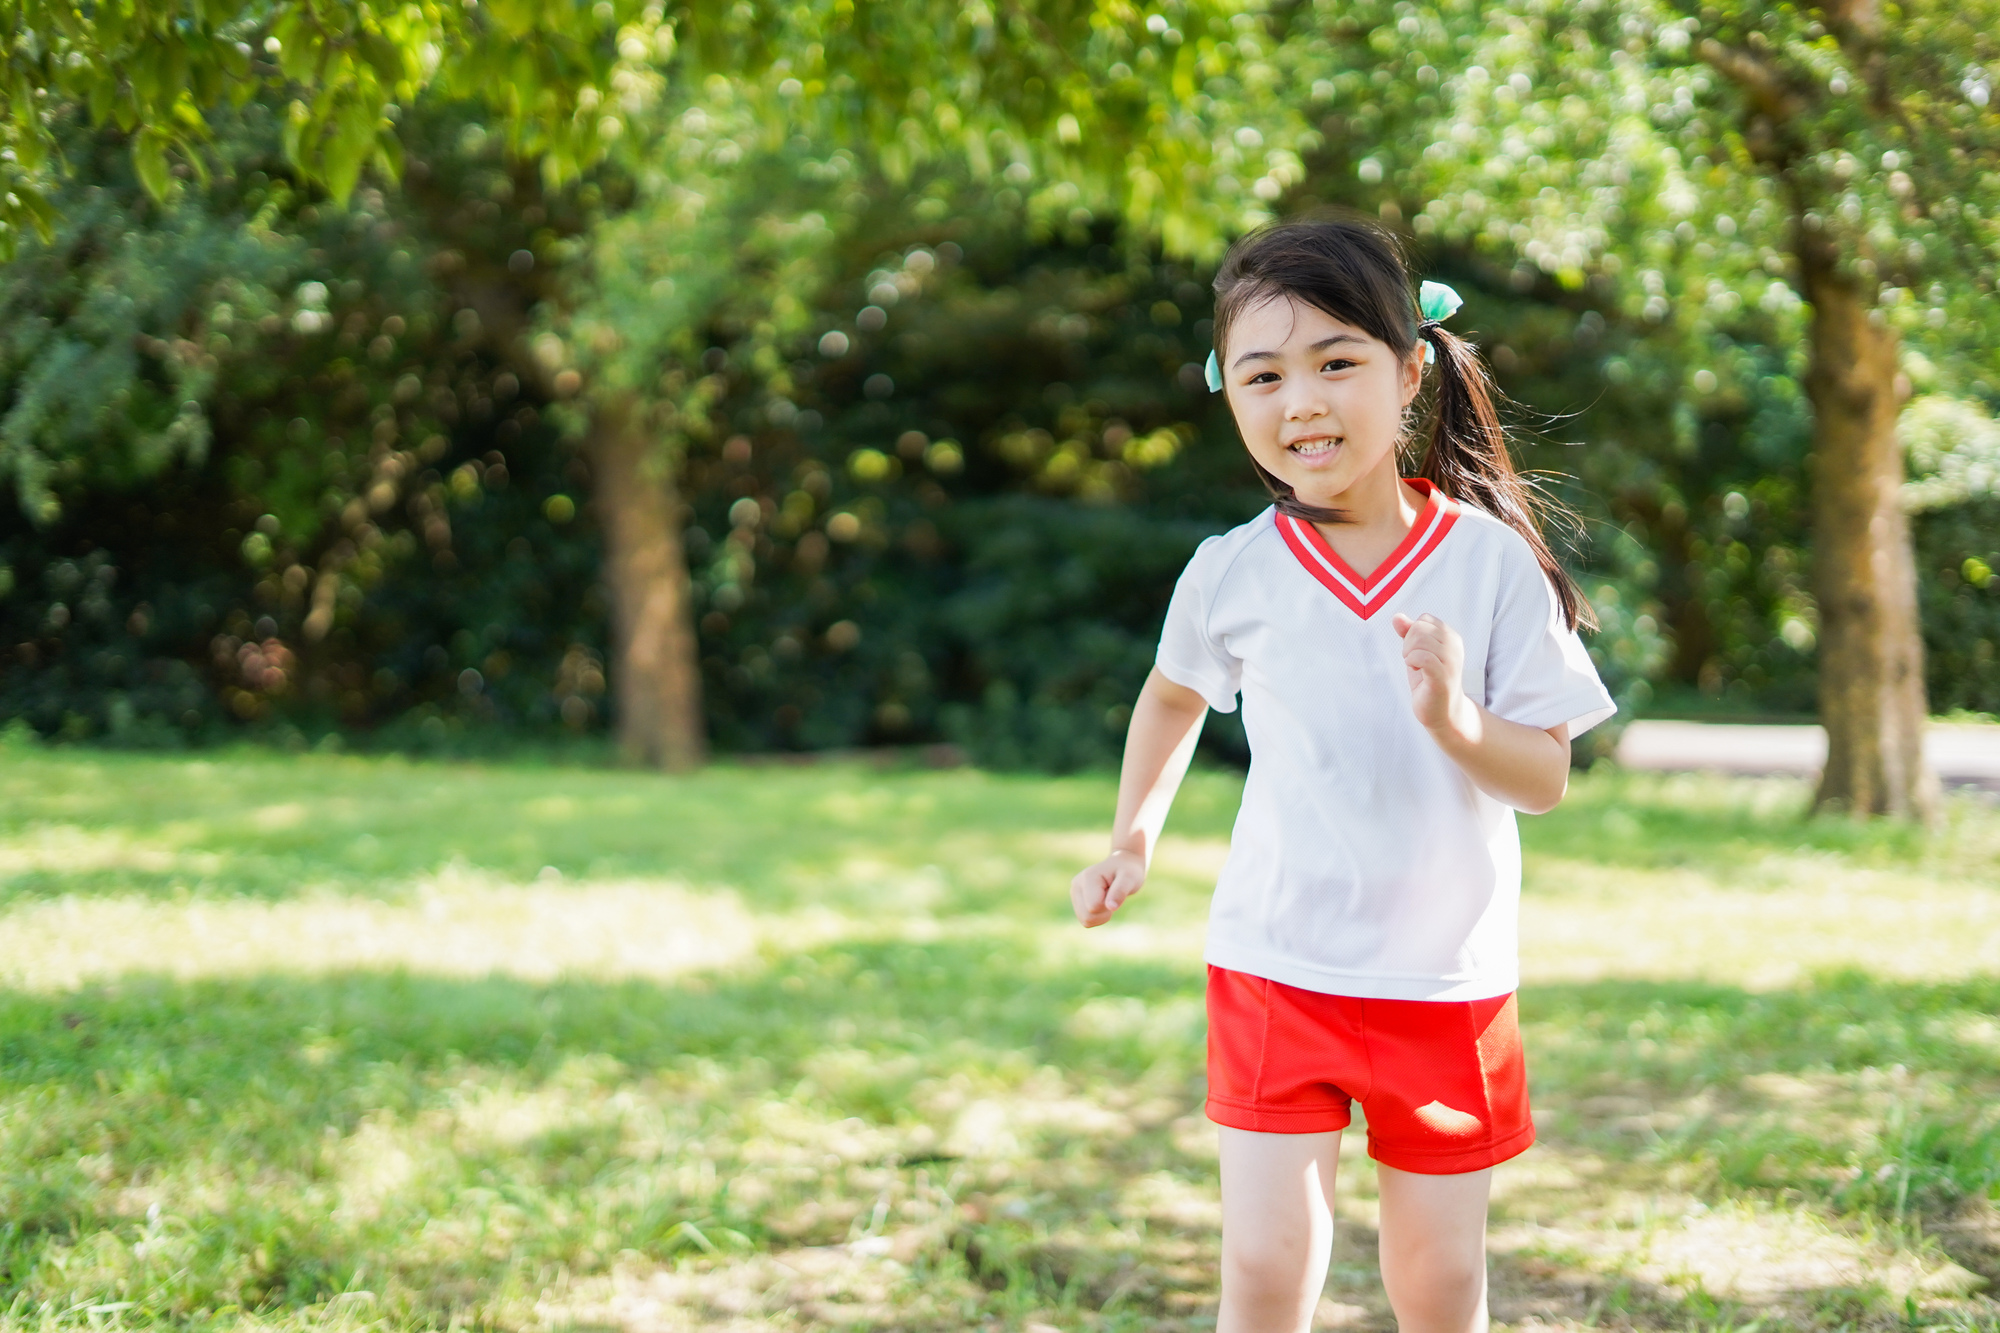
(1313, 448)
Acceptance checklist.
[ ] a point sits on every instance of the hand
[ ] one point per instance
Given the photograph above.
(1435, 656)
(1100, 890)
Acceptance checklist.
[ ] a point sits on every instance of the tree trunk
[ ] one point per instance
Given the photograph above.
(1871, 669)
(655, 671)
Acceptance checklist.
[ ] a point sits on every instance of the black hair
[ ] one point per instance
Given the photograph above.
(1354, 270)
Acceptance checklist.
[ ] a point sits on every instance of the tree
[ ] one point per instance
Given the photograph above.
(1884, 145)
(992, 584)
(1079, 107)
(1677, 163)
(1077, 110)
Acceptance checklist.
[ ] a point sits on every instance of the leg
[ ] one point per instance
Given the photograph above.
(1434, 1249)
(1277, 1228)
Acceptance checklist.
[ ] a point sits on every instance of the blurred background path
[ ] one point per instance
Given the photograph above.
(1964, 754)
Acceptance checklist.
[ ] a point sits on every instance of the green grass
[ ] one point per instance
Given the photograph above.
(320, 1041)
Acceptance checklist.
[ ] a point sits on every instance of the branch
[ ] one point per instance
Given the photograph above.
(1774, 102)
(1857, 26)
(1766, 88)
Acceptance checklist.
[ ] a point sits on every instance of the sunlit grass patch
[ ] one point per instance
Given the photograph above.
(1683, 877)
(454, 923)
(779, 835)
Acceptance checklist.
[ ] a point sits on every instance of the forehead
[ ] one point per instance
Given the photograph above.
(1282, 321)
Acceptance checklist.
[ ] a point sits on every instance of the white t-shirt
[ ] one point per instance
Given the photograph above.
(1364, 862)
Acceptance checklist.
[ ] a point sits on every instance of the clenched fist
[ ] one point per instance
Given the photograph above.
(1099, 890)
(1435, 658)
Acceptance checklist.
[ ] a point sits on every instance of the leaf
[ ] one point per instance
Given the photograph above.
(30, 145)
(349, 141)
(686, 1233)
(385, 57)
(143, 73)
(109, 21)
(149, 159)
(101, 96)
(289, 32)
(389, 153)
(298, 119)
(36, 204)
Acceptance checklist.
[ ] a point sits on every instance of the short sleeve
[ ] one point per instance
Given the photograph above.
(1538, 672)
(1188, 655)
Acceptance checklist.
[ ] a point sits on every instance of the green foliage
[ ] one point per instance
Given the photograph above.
(167, 77)
(1082, 107)
(940, 477)
(354, 418)
(1659, 157)
(867, 594)
(106, 386)
(1659, 166)
(974, 547)
(970, 519)
(1958, 550)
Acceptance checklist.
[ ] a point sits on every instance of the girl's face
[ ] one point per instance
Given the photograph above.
(1319, 403)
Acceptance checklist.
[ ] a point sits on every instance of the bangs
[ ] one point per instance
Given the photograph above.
(1349, 271)
(1253, 293)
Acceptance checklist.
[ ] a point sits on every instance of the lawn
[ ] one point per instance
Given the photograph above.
(324, 1041)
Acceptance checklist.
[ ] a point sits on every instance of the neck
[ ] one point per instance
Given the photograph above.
(1377, 500)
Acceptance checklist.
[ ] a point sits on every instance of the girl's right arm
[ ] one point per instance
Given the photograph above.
(1165, 724)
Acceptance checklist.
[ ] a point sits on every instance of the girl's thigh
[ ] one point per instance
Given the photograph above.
(1277, 1191)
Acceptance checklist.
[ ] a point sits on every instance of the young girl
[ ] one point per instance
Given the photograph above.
(1407, 656)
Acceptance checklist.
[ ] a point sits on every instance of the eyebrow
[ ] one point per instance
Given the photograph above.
(1319, 346)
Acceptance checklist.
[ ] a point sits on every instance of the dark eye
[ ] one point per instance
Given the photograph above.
(1338, 363)
(1263, 376)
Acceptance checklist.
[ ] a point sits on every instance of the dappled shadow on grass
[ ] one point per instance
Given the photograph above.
(1864, 1096)
(1026, 1134)
(1531, 1291)
(273, 1141)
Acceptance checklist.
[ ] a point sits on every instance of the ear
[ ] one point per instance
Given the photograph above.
(1413, 372)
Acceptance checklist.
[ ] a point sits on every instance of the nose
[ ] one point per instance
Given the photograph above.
(1305, 401)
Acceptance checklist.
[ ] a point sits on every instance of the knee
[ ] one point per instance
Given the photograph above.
(1435, 1286)
(1272, 1268)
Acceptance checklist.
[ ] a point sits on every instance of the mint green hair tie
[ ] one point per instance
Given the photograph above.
(1438, 304)
(1212, 373)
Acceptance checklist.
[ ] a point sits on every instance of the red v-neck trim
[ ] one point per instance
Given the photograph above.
(1366, 596)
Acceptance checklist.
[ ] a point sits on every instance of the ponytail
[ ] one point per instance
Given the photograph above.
(1468, 460)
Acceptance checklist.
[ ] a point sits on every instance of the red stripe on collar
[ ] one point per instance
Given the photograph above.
(1366, 596)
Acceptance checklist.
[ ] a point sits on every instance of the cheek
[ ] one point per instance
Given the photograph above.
(1389, 402)
(1255, 421)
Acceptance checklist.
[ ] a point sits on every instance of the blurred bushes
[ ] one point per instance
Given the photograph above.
(1958, 550)
(968, 525)
(963, 525)
(347, 522)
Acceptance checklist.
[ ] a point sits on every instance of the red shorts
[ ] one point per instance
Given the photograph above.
(1442, 1082)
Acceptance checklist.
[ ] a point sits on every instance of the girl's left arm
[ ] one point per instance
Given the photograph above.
(1522, 766)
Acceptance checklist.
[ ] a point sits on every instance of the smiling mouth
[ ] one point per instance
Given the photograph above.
(1317, 447)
